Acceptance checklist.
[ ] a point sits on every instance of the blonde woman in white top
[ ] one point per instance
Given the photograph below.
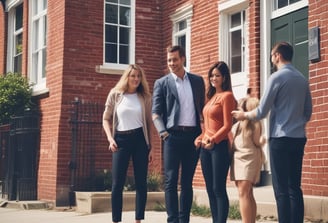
(127, 124)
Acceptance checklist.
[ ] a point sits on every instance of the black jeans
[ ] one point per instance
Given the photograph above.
(130, 145)
(179, 150)
(286, 158)
(215, 166)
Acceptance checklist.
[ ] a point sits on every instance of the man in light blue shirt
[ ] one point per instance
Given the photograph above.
(288, 99)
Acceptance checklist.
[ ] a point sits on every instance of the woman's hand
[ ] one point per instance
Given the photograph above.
(198, 143)
(208, 143)
(112, 145)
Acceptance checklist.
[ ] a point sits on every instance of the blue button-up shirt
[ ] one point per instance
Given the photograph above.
(288, 99)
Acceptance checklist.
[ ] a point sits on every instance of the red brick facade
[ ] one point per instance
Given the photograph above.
(75, 48)
(315, 165)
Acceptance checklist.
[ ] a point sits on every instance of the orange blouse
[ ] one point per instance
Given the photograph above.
(217, 116)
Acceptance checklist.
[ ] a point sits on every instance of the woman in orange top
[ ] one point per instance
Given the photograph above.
(213, 142)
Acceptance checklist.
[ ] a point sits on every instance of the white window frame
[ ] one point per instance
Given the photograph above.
(35, 68)
(242, 27)
(240, 80)
(117, 68)
(287, 9)
(12, 33)
(183, 14)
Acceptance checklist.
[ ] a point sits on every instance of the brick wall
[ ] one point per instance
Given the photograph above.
(51, 105)
(315, 166)
(254, 47)
(3, 40)
(74, 50)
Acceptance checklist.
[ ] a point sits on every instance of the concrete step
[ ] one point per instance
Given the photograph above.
(26, 205)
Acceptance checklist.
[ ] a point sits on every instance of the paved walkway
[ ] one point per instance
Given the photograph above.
(9, 215)
(314, 206)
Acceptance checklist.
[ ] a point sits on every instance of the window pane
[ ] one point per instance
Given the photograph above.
(124, 54)
(35, 67)
(19, 44)
(44, 60)
(235, 20)
(125, 2)
(182, 42)
(293, 1)
(111, 13)
(111, 34)
(19, 17)
(45, 4)
(45, 31)
(124, 35)
(125, 16)
(282, 3)
(113, 1)
(18, 63)
(111, 53)
(236, 54)
(35, 45)
(182, 25)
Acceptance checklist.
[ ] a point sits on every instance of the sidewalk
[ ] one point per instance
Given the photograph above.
(315, 207)
(9, 215)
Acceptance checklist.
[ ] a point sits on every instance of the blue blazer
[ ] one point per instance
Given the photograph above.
(166, 103)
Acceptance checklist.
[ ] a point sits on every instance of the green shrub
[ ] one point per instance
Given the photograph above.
(154, 182)
(200, 210)
(15, 96)
(234, 212)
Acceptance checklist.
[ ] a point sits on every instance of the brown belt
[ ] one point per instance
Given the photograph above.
(183, 128)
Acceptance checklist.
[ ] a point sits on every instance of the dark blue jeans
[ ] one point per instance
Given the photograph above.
(286, 158)
(130, 145)
(179, 150)
(215, 166)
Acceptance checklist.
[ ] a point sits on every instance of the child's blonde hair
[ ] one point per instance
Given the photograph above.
(247, 126)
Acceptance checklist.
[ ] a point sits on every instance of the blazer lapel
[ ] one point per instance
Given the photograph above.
(172, 86)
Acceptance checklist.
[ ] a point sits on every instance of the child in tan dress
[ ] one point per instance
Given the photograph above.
(247, 160)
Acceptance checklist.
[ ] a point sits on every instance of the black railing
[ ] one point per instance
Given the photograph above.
(19, 156)
(87, 134)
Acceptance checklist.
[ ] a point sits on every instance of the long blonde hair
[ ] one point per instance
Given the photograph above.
(123, 84)
(247, 126)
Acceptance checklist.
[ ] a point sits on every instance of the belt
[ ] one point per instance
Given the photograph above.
(183, 129)
(128, 132)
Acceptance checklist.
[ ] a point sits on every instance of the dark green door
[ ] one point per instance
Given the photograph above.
(293, 28)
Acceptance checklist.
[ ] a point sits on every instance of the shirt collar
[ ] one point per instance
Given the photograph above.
(185, 76)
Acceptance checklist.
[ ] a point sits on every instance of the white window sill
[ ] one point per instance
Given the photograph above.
(105, 69)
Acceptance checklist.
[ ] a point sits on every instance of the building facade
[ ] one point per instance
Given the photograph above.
(77, 49)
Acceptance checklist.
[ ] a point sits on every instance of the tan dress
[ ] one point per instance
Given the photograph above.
(247, 159)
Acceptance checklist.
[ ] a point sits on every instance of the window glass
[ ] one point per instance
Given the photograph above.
(125, 2)
(278, 4)
(236, 42)
(181, 37)
(111, 13)
(235, 20)
(19, 17)
(18, 39)
(124, 16)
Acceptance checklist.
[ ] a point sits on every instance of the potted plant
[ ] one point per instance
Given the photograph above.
(15, 96)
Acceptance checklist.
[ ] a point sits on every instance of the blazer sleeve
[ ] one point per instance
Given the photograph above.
(158, 106)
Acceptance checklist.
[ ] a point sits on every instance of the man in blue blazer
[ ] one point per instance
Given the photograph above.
(178, 100)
